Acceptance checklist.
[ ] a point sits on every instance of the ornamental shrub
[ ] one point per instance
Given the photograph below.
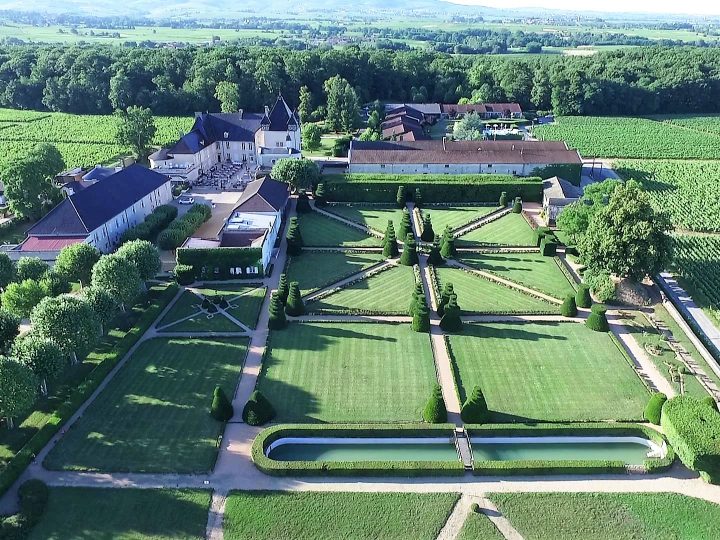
(568, 307)
(294, 306)
(601, 284)
(221, 408)
(294, 238)
(283, 289)
(435, 411)
(711, 401)
(205, 304)
(170, 238)
(418, 298)
(418, 197)
(303, 203)
(597, 320)
(184, 274)
(517, 206)
(390, 247)
(654, 407)
(692, 427)
(405, 225)
(540, 233)
(33, 498)
(409, 256)
(548, 248)
(475, 409)
(428, 235)
(258, 410)
(582, 296)
(320, 196)
(451, 321)
(276, 320)
(421, 318)
(475, 508)
(434, 257)
(503, 199)
(445, 294)
(401, 197)
(447, 248)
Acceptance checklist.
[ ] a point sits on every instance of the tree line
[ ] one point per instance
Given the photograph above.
(101, 79)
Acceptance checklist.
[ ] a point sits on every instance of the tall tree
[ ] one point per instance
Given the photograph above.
(136, 130)
(9, 329)
(469, 128)
(342, 110)
(103, 304)
(575, 218)
(75, 262)
(31, 268)
(7, 270)
(20, 298)
(18, 389)
(41, 355)
(69, 322)
(301, 174)
(305, 106)
(311, 136)
(143, 255)
(228, 94)
(29, 181)
(118, 276)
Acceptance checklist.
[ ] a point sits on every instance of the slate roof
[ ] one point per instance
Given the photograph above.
(446, 152)
(86, 210)
(98, 173)
(558, 188)
(481, 108)
(280, 116)
(264, 195)
(424, 108)
(212, 127)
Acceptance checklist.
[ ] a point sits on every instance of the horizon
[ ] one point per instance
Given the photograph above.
(650, 7)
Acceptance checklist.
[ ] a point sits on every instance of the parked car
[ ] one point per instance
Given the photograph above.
(186, 199)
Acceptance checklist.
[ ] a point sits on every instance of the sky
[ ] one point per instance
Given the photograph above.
(693, 7)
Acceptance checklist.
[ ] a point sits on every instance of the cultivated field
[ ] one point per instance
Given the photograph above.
(697, 260)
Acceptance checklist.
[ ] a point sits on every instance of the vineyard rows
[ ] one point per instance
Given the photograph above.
(639, 138)
(707, 123)
(689, 191)
(697, 259)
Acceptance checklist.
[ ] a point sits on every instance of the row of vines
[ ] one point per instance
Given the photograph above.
(697, 260)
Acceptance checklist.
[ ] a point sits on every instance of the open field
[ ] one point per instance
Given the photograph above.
(388, 291)
(547, 372)
(319, 230)
(689, 191)
(599, 516)
(455, 216)
(153, 415)
(375, 217)
(509, 230)
(697, 261)
(639, 138)
(353, 372)
(316, 270)
(123, 514)
(479, 295)
(258, 515)
(530, 269)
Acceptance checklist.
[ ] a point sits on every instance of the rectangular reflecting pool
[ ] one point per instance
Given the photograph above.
(410, 449)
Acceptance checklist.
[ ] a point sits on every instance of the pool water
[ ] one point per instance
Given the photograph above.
(433, 451)
(630, 453)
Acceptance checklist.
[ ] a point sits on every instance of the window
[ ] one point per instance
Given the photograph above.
(382, 165)
(288, 137)
(447, 166)
(425, 165)
(489, 166)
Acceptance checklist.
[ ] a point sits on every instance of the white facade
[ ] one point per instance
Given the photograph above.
(516, 169)
(248, 221)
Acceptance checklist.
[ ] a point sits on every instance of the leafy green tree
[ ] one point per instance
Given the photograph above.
(390, 247)
(69, 322)
(294, 306)
(283, 289)
(575, 218)
(53, 284)
(31, 268)
(276, 320)
(7, 270)
(469, 128)
(136, 129)
(428, 234)
(228, 94)
(143, 255)
(342, 111)
(9, 329)
(294, 238)
(401, 197)
(628, 238)
(29, 181)
(119, 277)
(601, 284)
(301, 173)
(221, 408)
(20, 298)
(311, 136)
(41, 355)
(451, 321)
(258, 410)
(475, 409)
(305, 106)
(75, 262)
(409, 256)
(18, 389)
(103, 304)
(435, 411)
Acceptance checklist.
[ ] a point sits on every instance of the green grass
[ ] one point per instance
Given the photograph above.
(15, 232)
(317, 270)
(288, 516)
(548, 372)
(530, 269)
(353, 372)
(375, 217)
(153, 415)
(319, 230)
(246, 308)
(479, 527)
(600, 516)
(455, 216)
(479, 295)
(509, 230)
(386, 292)
(325, 150)
(123, 514)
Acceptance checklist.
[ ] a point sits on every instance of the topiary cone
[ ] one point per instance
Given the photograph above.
(258, 410)
(475, 409)
(221, 408)
(568, 307)
(435, 411)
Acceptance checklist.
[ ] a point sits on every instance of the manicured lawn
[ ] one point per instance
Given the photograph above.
(455, 216)
(599, 516)
(352, 372)
(246, 308)
(479, 295)
(386, 292)
(153, 415)
(123, 514)
(479, 527)
(316, 270)
(375, 217)
(509, 230)
(286, 515)
(547, 372)
(530, 269)
(319, 230)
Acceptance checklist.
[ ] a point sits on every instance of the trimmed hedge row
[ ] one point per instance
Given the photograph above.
(532, 467)
(434, 188)
(155, 222)
(353, 468)
(215, 263)
(108, 358)
(181, 228)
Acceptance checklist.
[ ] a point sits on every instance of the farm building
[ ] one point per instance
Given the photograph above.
(557, 194)
(520, 158)
(97, 214)
(484, 110)
(429, 112)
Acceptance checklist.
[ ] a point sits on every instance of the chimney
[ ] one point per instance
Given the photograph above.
(240, 113)
(444, 139)
(267, 110)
